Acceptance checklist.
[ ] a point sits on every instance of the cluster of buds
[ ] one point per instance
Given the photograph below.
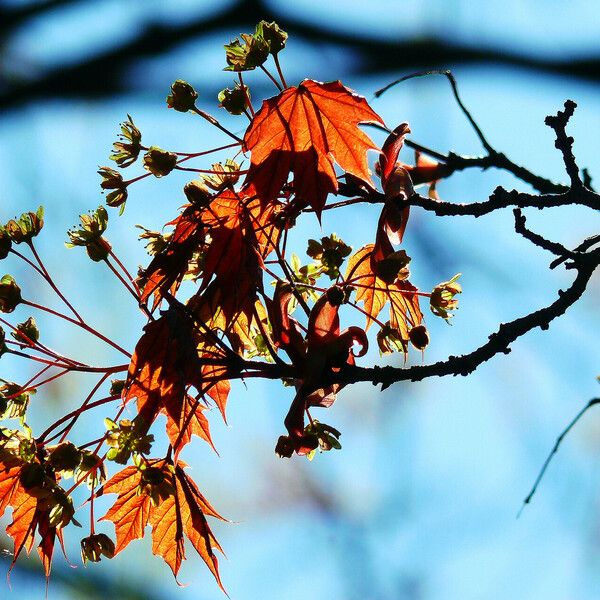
(89, 235)
(252, 50)
(317, 436)
(442, 299)
(329, 254)
(125, 439)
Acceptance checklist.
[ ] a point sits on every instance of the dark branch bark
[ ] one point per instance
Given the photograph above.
(498, 342)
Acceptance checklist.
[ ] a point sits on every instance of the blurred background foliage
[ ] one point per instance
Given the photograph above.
(420, 504)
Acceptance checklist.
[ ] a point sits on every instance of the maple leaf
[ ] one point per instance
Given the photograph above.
(303, 131)
(375, 289)
(36, 501)
(162, 495)
(166, 362)
(167, 269)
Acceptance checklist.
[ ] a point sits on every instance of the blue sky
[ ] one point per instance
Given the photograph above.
(421, 501)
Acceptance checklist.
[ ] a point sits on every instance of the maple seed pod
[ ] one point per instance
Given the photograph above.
(95, 546)
(10, 294)
(419, 337)
(182, 97)
(159, 162)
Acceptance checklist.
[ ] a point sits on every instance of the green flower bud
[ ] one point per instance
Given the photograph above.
(198, 193)
(27, 332)
(284, 447)
(91, 469)
(26, 227)
(116, 387)
(442, 299)
(65, 457)
(10, 294)
(182, 97)
(13, 402)
(159, 162)
(393, 267)
(390, 340)
(154, 483)
(247, 54)
(225, 176)
(113, 180)
(95, 546)
(273, 35)
(235, 100)
(127, 148)
(61, 509)
(32, 475)
(419, 337)
(93, 225)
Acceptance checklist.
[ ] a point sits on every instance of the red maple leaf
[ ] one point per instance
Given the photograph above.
(304, 131)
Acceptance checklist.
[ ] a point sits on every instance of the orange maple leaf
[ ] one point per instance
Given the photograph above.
(303, 131)
(31, 508)
(375, 292)
(166, 362)
(167, 269)
(163, 496)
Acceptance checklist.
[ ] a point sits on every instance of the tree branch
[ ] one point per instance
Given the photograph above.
(498, 342)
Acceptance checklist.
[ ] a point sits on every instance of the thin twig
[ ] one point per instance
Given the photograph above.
(554, 450)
